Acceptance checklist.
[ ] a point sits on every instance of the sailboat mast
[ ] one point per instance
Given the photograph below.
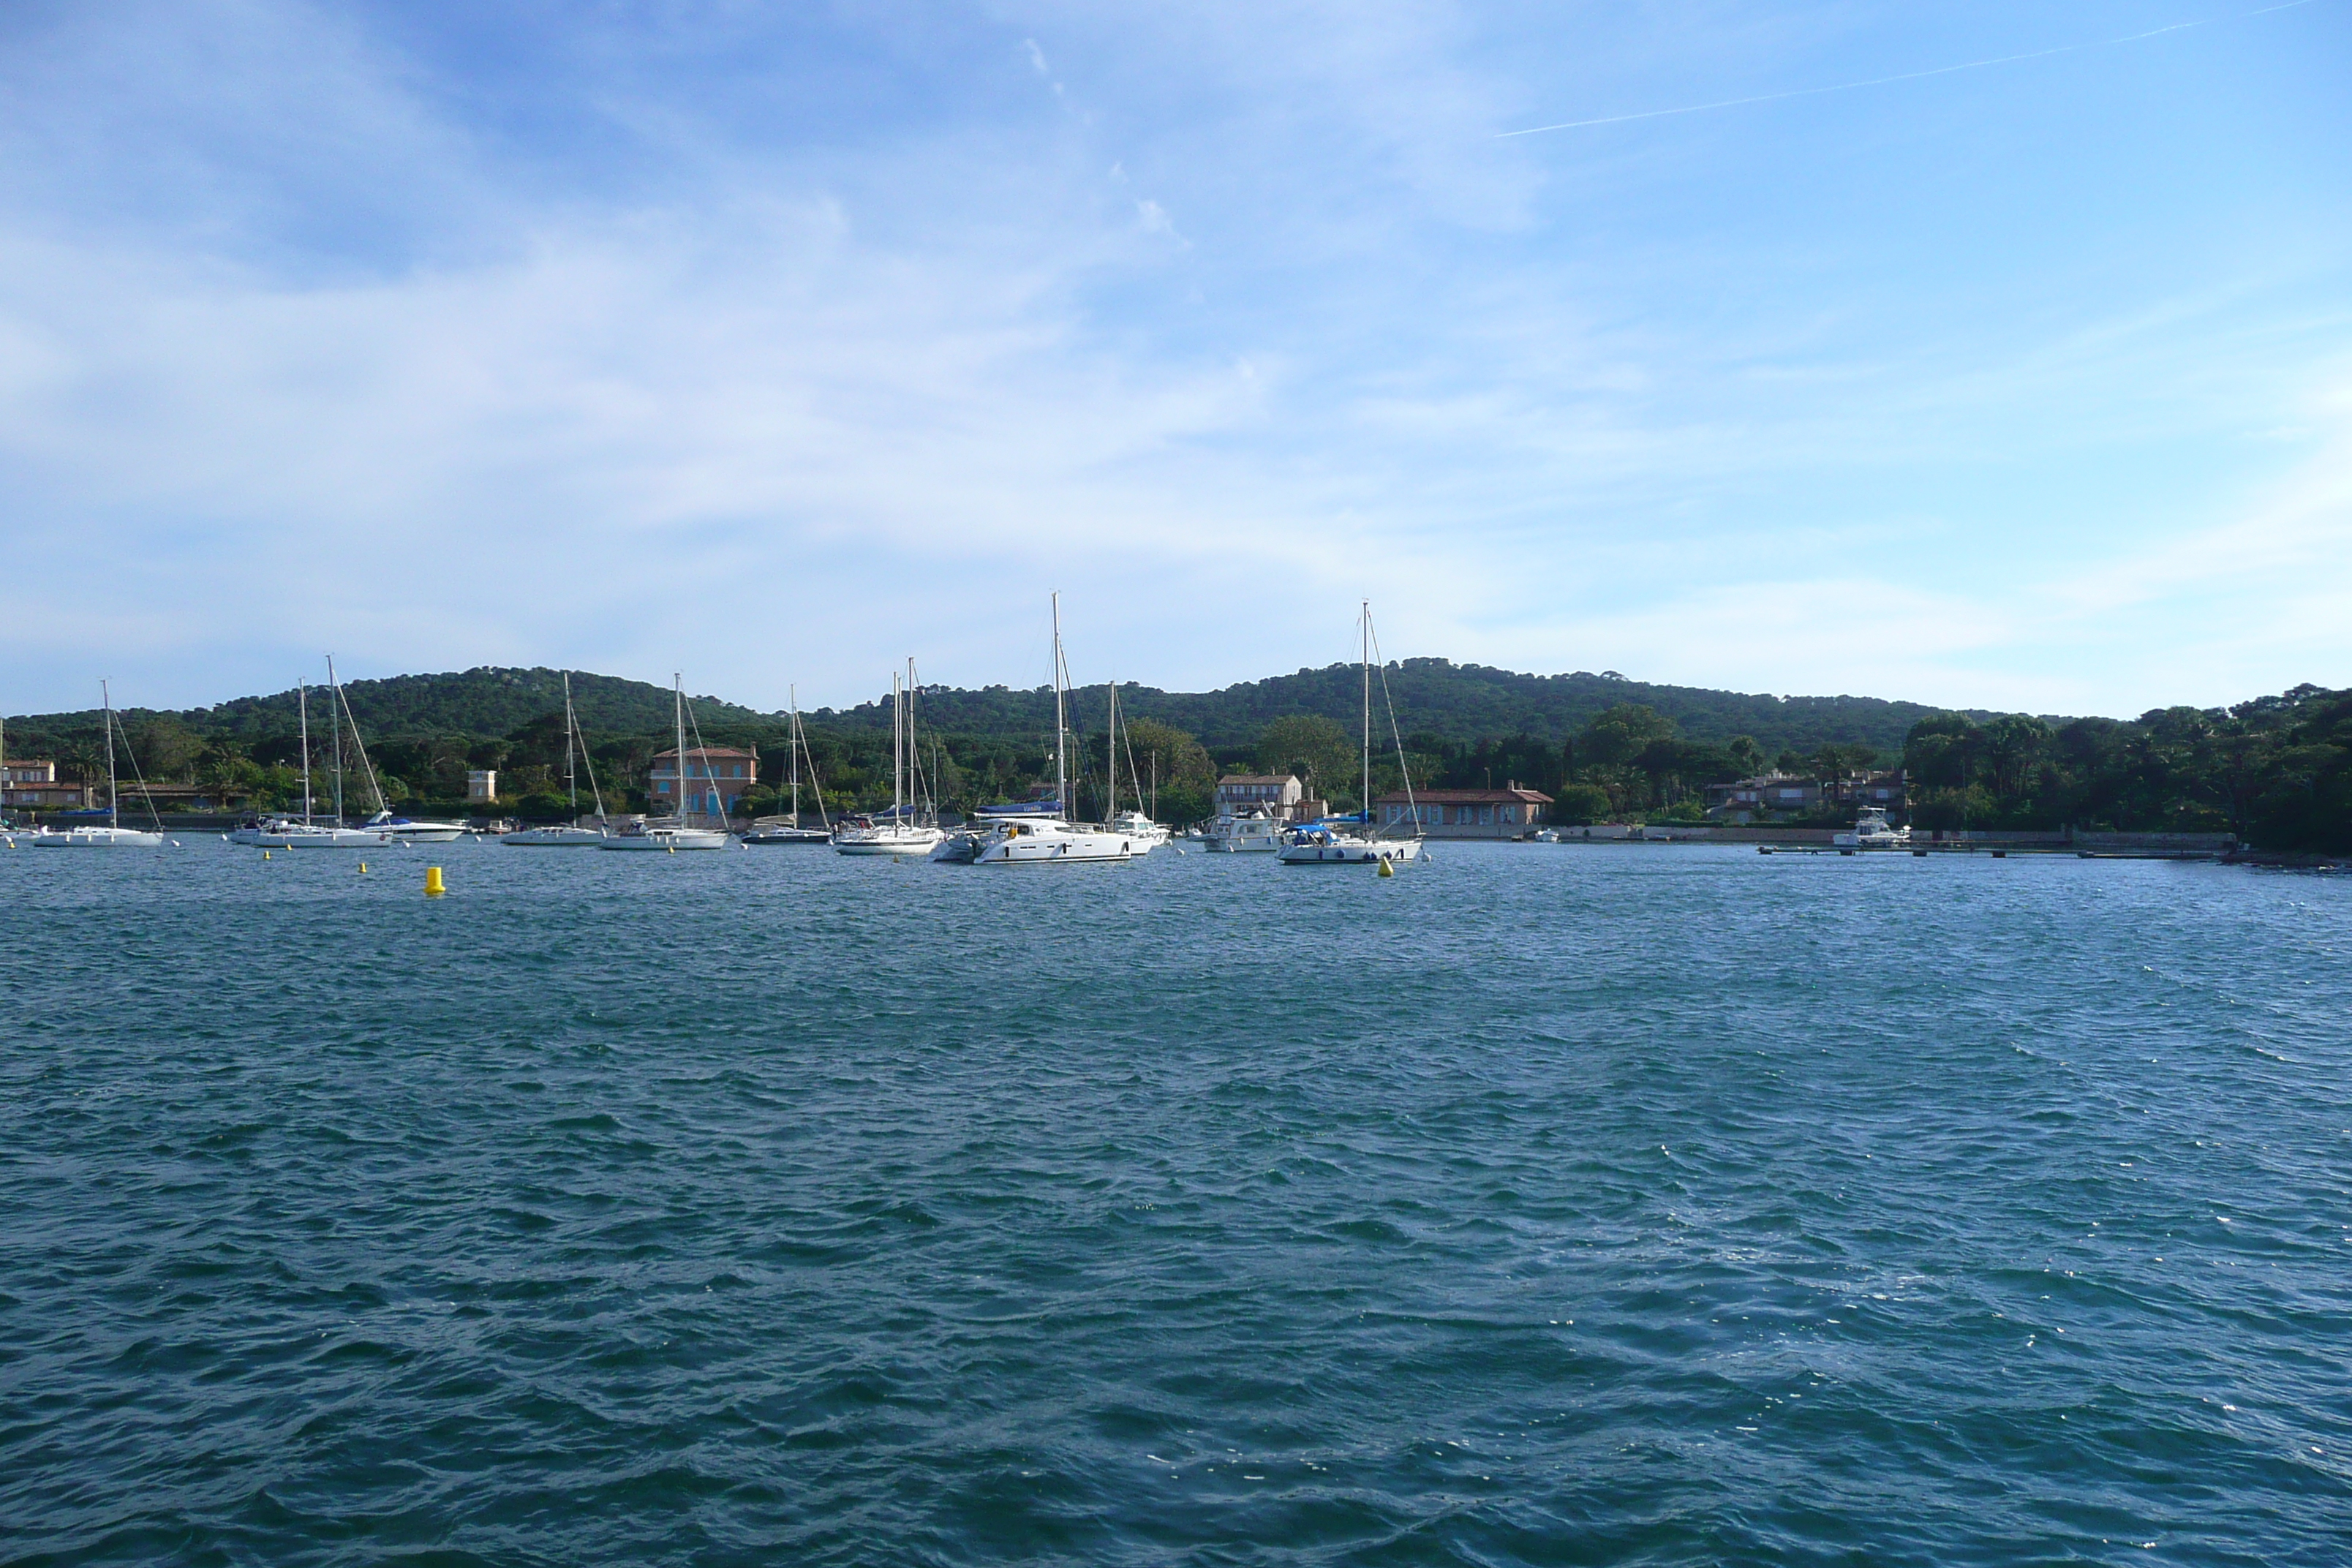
(678, 684)
(1061, 766)
(1110, 753)
(1366, 626)
(303, 701)
(792, 695)
(106, 698)
(338, 717)
(570, 765)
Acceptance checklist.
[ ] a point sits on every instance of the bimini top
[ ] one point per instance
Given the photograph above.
(1020, 808)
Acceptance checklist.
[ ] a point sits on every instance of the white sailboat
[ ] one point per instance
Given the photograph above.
(787, 829)
(899, 835)
(672, 833)
(1145, 834)
(577, 834)
(1360, 843)
(394, 830)
(1053, 840)
(113, 836)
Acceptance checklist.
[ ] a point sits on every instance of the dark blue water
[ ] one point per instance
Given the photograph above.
(1558, 1206)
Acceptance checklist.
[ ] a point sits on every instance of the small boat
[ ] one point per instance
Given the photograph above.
(1148, 834)
(1037, 839)
(1253, 832)
(401, 830)
(1871, 832)
(901, 830)
(580, 833)
(1356, 840)
(785, 827)
(669, 834)
(294, 833)
(112, 834)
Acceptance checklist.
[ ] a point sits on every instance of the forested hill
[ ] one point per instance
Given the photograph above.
(1459, 702)
(1435, 697)
(485, 702)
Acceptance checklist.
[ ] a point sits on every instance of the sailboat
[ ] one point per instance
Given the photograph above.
(1147, 834)
(306, 832)
(113, 836)
(1026, 839)
(675, 832)
(576, 834)
(788, 829)
(900, 835)
(1357, 842)
(396, 830)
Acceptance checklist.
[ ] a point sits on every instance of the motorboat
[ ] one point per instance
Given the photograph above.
(1253, 832)
(111, 833)
(1147, 834)
(401, 830)
(1871, 832)
(1356, 840)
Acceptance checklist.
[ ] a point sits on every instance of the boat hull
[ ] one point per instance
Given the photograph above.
(98, 838)
(1056, 850)
(1348, 852)
(555, 837)
(662, 840)
(913, 841)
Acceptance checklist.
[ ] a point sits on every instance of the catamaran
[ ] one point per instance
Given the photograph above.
(1357, 840)
(675, 832)
(907, 831)
(113, 836)
(577, 834)
(1027, 840)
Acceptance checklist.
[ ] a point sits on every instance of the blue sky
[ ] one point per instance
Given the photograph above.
(776, 343)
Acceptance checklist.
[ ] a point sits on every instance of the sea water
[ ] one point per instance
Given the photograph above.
(1611, 1204)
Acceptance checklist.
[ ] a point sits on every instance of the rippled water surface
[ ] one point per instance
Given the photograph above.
(1539, 1205)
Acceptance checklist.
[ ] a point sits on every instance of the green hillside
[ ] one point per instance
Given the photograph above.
(1440, 700)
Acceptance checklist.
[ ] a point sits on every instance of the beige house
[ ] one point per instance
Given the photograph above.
(1510, 812)
(1276, 795)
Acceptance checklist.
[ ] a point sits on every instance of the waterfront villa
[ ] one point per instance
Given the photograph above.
(34, 786)
(1508, 812)
(1800, 793)
(1276, 795)
(716, 778)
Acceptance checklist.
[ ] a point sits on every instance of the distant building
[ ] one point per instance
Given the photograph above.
(716, 778)
(34, 786)
(1508, 812)
(482, 784)
(1799, 794)
(1276, 795)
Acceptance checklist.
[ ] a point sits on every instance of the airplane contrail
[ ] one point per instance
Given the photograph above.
(1907, 75)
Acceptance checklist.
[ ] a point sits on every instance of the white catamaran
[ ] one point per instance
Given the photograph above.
(1357, 841)
(675, 832)
(113, 836)
(579, 833)
(1029, 840)
(907, 832)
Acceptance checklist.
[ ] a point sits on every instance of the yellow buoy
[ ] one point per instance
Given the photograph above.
(264, 855)
(673, 848)
(434, 886)
(363, 867)
(1387, 869)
